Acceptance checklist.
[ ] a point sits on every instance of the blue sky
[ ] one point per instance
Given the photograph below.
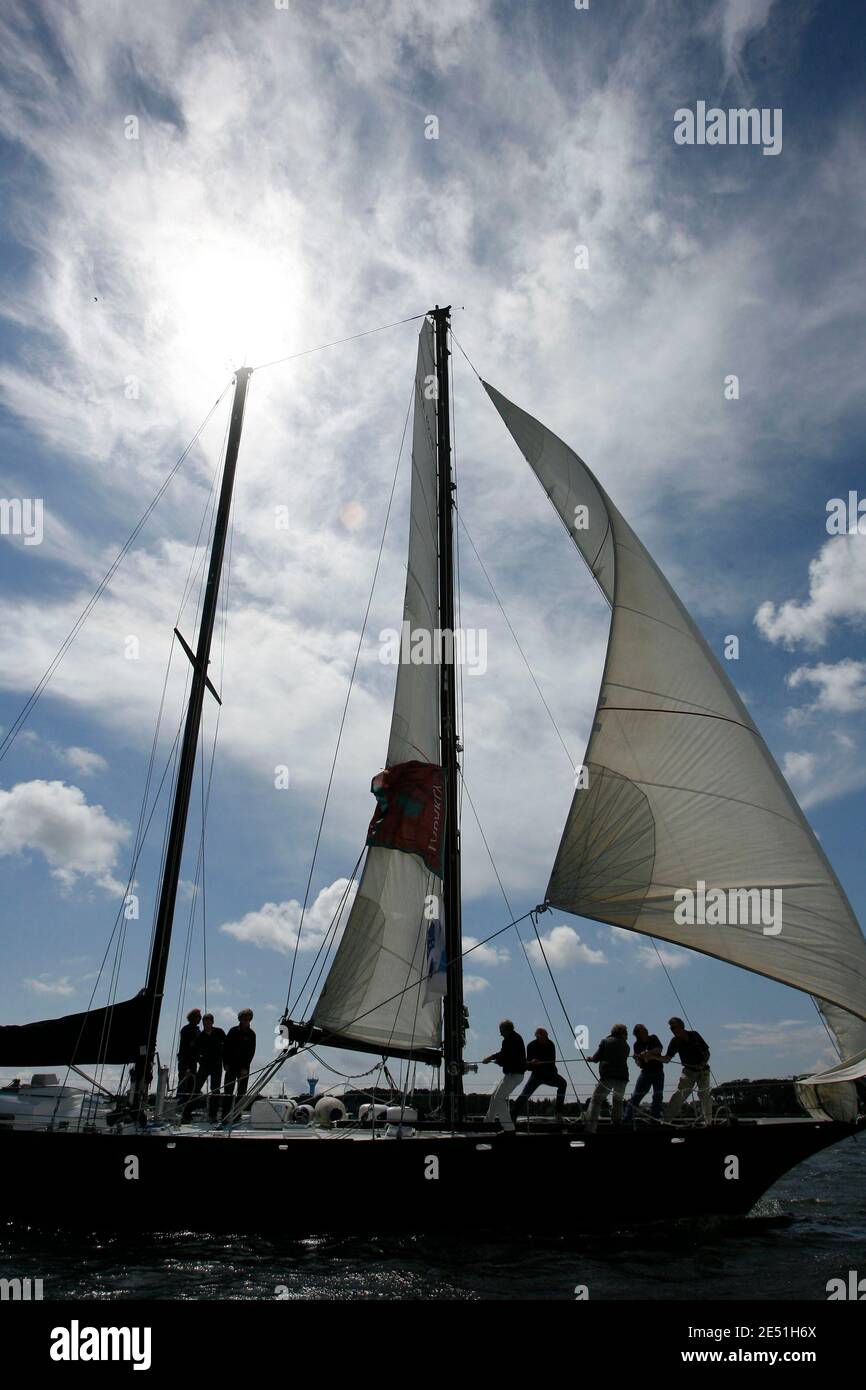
(281, 194)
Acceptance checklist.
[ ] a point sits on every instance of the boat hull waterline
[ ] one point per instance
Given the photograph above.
(306, 1182)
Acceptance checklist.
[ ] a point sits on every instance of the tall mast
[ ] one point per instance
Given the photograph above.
(453, 1020)
(174, 849)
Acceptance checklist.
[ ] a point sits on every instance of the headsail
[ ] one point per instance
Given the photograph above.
(682, 790)
(374, 995)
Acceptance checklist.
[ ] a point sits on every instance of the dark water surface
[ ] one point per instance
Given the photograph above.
(811, 1227)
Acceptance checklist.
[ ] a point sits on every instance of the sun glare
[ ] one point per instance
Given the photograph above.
(232, 306)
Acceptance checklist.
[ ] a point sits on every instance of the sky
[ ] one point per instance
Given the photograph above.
(191, 188)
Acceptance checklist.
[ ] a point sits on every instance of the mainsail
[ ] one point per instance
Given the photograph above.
(110, 1035)
(681, 791)
(374, 995)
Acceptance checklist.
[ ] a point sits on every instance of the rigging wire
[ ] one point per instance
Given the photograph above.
(413, 318)
(26, 710)
(523, 948)
(517, 644)
(468, 358)
(142, 829)
(416, 984)
(321, 956)
(348, 697)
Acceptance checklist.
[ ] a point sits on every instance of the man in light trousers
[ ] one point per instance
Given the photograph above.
(511, 1057)
(612, 1057)
(694, 1054)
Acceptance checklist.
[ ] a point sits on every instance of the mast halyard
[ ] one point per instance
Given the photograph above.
(453, 1022)
(174, 849)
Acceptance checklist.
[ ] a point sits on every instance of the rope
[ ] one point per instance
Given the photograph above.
(517, 644)
(326, 941)
(413, 318)
(30, 703)
(466, 355)
(520, 939)
(348, 697)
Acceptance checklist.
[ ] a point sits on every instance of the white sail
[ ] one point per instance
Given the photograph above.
(374, 992)
(683, 794)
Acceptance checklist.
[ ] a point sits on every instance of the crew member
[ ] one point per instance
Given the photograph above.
(541, 1064)
(647, 1052)
(511, 1057)
(694, 1054)
(210, 1066)
(239, 1050)
(187, 1056)
(612, 1057)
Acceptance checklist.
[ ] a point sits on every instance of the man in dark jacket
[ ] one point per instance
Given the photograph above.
(541, 1064)
(210, 1066)
(511, 1057)
(239, 1050)
(612, 1057)
(187, 1055)
(647, 1052)
(694, 1054)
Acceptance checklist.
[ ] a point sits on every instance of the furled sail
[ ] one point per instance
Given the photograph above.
(110, 1035)
(374, 995)
(685, 816)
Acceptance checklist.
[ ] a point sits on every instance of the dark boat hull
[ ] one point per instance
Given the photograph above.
(346, 1182)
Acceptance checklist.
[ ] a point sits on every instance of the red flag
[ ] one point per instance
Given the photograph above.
(411, 811)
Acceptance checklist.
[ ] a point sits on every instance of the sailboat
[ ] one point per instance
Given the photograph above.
(678, 794)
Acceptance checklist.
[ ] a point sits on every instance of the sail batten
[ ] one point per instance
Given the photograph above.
(374, 994)
(682, 795)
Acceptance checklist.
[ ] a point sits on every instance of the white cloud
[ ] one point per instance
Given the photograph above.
(84, 761)
(490, 953)
(134, 265)
(474, 984)
(841, 685)
(563, 948)
(44, 984)
(275, 925)
(670, 956)
(782, 1035)
(799, 767)
(739, 21)
(54, 818)
(837, 592)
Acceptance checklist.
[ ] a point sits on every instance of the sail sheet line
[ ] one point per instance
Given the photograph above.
(704, 951)
(529, 965)
(334, 1038)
